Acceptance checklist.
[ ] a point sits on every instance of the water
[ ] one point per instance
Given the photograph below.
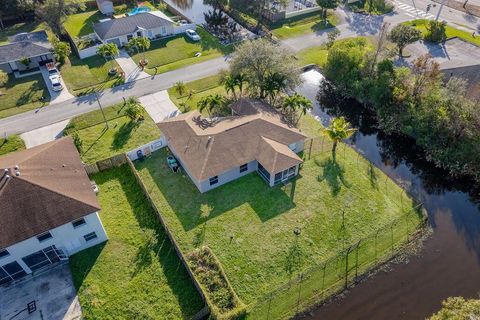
(192, 9)
(449, 262)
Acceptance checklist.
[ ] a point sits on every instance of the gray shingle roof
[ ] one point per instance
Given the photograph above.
(123, 26)
(25, 45)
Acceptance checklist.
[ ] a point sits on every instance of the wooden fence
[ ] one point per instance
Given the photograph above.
(102, 165)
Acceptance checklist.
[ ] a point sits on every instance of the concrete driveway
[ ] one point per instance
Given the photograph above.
(43, 135)
(159, 106)
(131, 69)
(56, 96)
(53, 292)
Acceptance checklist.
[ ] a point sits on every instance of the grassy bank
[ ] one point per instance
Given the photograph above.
(421, 24)
(297, 26)
(136, 273)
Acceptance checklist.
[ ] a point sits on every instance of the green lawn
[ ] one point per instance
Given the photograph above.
(249, 226)
(314, 55)
(179, 51)
(122, 136)
(23, 94)
(301, 25)
(11, 144)
(84, 76)
(451, 32)
(362, 6)
(136, 273)
(80, 24)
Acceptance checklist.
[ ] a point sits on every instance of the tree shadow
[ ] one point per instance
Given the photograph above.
(372, 175)
(333, 174)
(187, 202)
(104, 130)
(121, 137)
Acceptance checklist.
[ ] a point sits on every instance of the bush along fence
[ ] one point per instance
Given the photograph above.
(356, 258)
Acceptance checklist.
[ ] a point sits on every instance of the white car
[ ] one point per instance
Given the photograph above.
(56, 83)
(193, 35)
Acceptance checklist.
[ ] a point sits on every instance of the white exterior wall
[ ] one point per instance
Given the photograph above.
(64, 237)
(88, 52)
(226, 177)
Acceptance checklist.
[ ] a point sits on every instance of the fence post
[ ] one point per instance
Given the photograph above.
(299, 289)
(323, 278)
(310, 152)
(376, 236)
(356, 261)
(346, 267)
(391, 230)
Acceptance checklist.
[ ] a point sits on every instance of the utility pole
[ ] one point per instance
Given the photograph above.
(439, 10)
(101, 109)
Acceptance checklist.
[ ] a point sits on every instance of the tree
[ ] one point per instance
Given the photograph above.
(402, 35)
(77, 141)
(180, 88)
(211, 103)
(240, 80)
(3, 79)
(61, 49)
(25, 61)
(338, 130)
(297, 105)
(332, 36)
(258, 59)
(274, 83)
(230, 84)
(55, 12)
(142, 44)
(133, 109)
(458, 308)
(325, 5)
(108, 51)
(436, 31)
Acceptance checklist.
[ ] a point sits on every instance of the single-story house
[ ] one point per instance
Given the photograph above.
(105, 7)
(255, 138)
(33, 46)
(152, 24)
(49, 209)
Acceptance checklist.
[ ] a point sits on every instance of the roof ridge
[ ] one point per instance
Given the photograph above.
(210, 146)
(54, 191)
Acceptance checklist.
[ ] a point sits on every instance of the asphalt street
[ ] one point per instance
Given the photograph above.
(351, 25)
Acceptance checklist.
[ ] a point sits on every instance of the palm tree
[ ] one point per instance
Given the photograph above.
(141, 43)
(108, 51)
(338, 130)
(211, 103)
(230, 84)
(180, 88)
(274, 83)
(297, 103)
(240, 80)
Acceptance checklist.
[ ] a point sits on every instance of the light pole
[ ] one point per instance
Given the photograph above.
(101, 109)
(439, 10)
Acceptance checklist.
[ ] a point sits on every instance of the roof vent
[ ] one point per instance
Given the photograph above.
(17, 173)
(209, 140)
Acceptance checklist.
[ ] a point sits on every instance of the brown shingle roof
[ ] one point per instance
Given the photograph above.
(52, 189)
(209, 149)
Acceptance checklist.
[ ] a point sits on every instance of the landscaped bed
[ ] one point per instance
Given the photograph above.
(123, 134)
(250, 226)
(302, 25)
(84, 76)
(136, 274)
(421, 24)
(179, 51)
(23, 94)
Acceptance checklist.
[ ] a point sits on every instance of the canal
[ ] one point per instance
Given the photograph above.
(449, 261)
(192, 9)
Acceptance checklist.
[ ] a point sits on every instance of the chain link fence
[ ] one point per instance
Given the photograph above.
(347, 266)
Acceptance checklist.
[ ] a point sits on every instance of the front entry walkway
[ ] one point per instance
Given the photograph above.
(56, 96)
(159, 106)
(131, 69)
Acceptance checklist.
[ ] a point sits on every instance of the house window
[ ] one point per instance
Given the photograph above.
(90, 236)
(4, 253)
(263, 173)
(213, 180)
(78, 223)
(244, 167)
(44, 236)
(285, 174)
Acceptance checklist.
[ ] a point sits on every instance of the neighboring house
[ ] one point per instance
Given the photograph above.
(153, 24)
(105, 7)
(33, 46)
(255, 138)
(49, 210)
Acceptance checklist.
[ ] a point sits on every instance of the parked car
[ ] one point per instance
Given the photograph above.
(192, 34)
(56, 83)
(172, 163)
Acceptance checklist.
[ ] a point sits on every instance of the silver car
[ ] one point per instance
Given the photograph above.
(193, 35)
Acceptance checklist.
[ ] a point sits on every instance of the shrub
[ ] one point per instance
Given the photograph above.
(436, 31)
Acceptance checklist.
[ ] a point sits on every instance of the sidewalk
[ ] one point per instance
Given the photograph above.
(132, 71)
